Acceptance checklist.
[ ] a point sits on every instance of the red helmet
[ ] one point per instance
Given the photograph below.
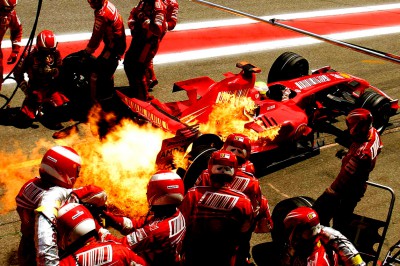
(222, 166)
(46, 40)
(7, 5)
(60, 166)
(302, 224)
(165, 188)
(74, 221)
(359, 122)
(96, 4)
(239, 144)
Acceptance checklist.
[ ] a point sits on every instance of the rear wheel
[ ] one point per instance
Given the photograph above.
(379, 106)
(288, 66)
(279, 213)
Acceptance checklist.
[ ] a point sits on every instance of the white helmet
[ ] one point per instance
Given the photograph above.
(165, 188)
(60, 166)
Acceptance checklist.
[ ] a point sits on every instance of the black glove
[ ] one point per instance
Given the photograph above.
(341, 153)
(12, 58)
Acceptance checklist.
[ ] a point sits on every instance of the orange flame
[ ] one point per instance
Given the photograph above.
(123, 162)
(230, 116)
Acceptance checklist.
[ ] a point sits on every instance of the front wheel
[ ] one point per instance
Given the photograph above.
(199, 161)
(379, 106)
(288, 66)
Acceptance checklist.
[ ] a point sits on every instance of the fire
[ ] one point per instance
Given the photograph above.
(123, 161)
(17, 168)
(230, 116)
(121, 164)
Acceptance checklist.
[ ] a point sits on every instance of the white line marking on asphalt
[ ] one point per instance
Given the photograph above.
(252, 47)
(239, 21)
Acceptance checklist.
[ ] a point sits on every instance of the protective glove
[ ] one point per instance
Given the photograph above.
(24, 87)
(54, 72)
(12, 58)
(146, 24)
(340, 153)
(123, 224)
(131, 24)
(356, 261)
(141, 16)
(265, 223)
(44, 70)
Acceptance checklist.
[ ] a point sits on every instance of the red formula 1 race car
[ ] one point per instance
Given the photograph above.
(295, 106)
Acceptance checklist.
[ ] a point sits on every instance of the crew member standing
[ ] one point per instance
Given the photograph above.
(172, 19)
(9, 20)
(109, 28)
(147, 22)
(218, 217)
(339, 200)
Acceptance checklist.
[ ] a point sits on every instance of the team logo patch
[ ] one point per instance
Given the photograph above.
(225, 156)
(239, 138)
(311, 216)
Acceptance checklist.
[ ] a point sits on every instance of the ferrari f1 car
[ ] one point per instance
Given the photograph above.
(297, 102)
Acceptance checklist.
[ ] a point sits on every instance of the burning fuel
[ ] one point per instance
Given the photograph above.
(123, 161)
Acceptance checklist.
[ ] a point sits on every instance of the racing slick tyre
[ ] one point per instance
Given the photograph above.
(199, 161)
(287, 66)
(210, 140)
(379, 106)
(75, 76)
(279, 213)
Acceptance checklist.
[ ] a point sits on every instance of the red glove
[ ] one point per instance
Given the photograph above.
(122, 224)
(92, 195)
(264, 221)
(12, 58)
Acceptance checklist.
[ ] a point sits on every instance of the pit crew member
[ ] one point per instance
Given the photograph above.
(310, 243)
(339, 200)
(217, 216)
(157, 238)
(9, 20)
(43, 90)
(40, 198)
(147, 22)
(109, 29)
(79, 241)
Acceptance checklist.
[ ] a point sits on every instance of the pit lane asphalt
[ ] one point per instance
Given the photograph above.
(309, 177)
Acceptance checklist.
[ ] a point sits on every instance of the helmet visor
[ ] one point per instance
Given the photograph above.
(222, 169)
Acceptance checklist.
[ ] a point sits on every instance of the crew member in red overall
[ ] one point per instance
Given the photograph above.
(245, 181)
(9, 20)
(79, 241)
(147, 22)
(109, 29)
(43, 90)
(309, 243)
(157, 238)
(217, 216)
(59, 168)
(339, 200)
(172, 18)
